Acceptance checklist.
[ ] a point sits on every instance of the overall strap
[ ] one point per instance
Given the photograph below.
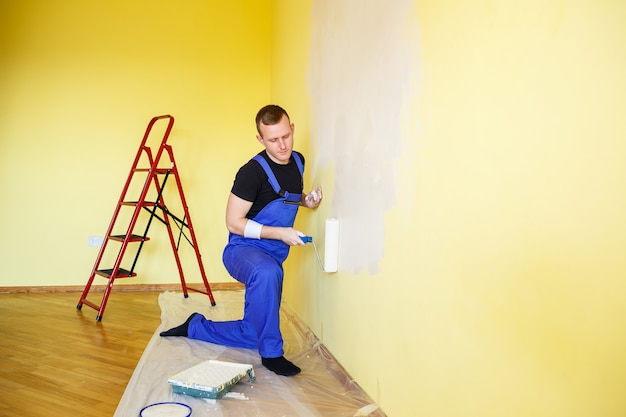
(298, 163)
(274, 182)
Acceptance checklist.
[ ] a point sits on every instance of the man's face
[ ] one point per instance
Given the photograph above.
(278, 140)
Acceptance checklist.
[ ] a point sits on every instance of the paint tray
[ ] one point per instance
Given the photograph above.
(210, 379)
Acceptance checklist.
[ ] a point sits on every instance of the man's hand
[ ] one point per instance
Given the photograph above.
(313, 199)
(291, 236)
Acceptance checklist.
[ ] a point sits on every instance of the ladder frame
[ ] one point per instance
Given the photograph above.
(152, 179)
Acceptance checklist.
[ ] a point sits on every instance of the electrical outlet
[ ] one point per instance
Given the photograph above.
(94, 241)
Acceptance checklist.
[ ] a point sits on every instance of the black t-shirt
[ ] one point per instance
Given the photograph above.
(252, 184)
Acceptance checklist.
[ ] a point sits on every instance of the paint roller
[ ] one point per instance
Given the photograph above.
(331, 248)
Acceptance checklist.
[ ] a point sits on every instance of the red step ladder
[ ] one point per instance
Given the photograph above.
(156, 176)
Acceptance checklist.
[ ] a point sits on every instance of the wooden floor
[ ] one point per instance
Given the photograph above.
(58, 361)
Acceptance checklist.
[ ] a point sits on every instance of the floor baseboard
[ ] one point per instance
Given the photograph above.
(216, 286)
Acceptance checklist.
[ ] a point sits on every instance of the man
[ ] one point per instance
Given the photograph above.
(260, 214)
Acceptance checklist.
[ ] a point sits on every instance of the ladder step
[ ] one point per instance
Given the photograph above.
(157, 171)
(133, 238)
(121, 273)
(134, 203)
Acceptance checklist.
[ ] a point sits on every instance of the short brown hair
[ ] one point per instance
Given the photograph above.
(269, 115)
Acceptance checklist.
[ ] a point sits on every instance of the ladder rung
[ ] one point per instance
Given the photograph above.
(121, 273)
(90, 304)
(133, 238)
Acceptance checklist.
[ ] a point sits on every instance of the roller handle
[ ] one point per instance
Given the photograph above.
(306, 239)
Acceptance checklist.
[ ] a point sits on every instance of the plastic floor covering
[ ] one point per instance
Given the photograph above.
(323, 388)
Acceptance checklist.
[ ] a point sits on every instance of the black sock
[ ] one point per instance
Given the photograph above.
(179, 330)
(281, 366)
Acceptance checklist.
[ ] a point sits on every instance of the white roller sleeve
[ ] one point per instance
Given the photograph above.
(331, 248)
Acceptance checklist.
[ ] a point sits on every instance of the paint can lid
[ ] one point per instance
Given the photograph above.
(166, 409)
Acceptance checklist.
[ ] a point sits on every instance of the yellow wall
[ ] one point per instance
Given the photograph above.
(492, 282)
(500, 290)
(80, 82)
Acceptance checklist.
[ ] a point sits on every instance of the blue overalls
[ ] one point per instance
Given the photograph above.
(257, 263)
